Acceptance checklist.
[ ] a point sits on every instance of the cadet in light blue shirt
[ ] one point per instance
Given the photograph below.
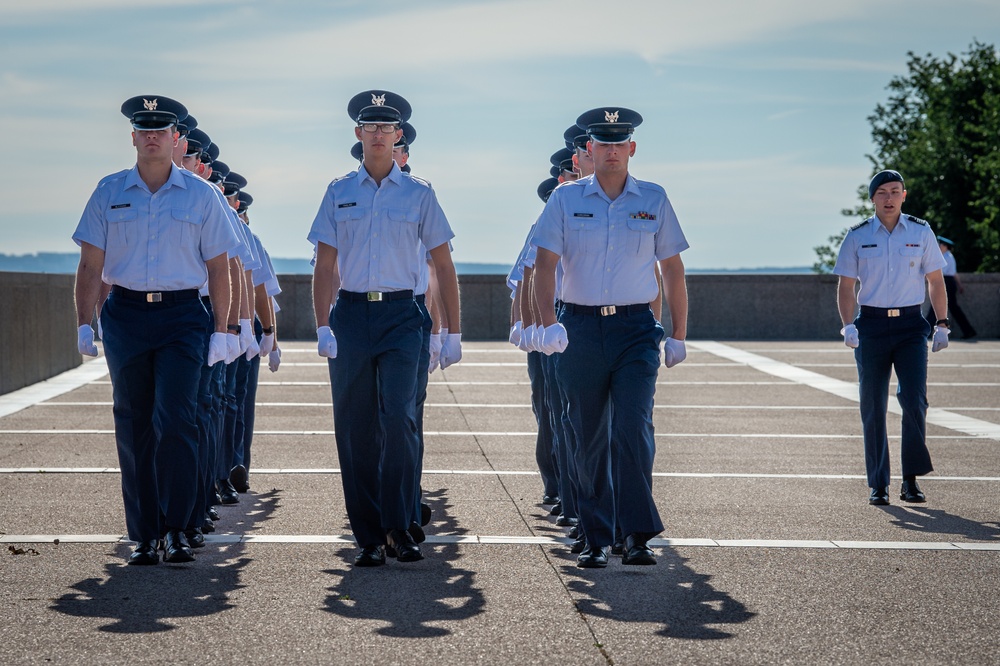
(155, 233)
(607, 230)
(373, 226)
(892, 255)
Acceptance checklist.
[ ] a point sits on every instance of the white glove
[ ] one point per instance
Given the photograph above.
(327, 342)
(85, 340)
(515, 333)
(246, 334)
(217, 349)
(525, 344)
(274, 359)
(674, 351)
(266, 344)
(451, 350)
(254, 348)
(551, 339)
(232, 347)
(940, 338)
(435, 352)
(850, 333)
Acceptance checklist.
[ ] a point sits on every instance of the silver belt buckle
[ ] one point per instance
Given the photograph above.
(154, 297)
(893, 312)
(374, 296)
(607, 310)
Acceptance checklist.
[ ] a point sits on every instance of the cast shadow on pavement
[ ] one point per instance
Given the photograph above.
(415, 598)
(670, 594)
(938, 521)
(139, 600)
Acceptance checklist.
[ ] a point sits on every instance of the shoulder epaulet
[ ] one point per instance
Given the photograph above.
(917, 220)
(859, 225)
(418, 180)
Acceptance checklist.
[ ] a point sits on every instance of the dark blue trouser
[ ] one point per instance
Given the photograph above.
(554, 410)
(889, 343)
(423, 365)
(240, 426)
(241, 452)
(544, 457)
(206, 432)
(155, 352)
(230, 416)
(612, 362)
(374, 385)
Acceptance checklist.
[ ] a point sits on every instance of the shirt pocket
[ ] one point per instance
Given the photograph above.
(348, 225)
(122, 230)
(870, 253)
(185, 227)
(402, 228)
(587, 234)
(912, 257)
(641, 236)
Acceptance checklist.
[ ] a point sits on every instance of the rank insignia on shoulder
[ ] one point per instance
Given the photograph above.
(347, 205)
(916, 219)
(117, 206)
(583, 215)
(859, 225)
(642, 216)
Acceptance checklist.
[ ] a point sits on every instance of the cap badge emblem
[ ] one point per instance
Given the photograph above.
(378, 101)
(149, 106)
(610, 117)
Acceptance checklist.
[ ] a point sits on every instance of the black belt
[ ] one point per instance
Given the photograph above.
(377, 296)
(155, 296)
(882, 313)
(606, 310)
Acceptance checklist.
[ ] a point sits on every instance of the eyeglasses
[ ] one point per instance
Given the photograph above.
(386, 128)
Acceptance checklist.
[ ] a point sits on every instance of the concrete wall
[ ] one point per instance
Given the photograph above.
(38, 333)
(38, 329)
(722, 307)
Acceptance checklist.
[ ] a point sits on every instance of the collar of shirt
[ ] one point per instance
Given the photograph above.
(175, 179)
(593, 187)
(395, 175)
(878, 223)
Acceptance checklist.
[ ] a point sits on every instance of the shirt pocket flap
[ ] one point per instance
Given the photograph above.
(403, 215)
(870, 252)
(911, 251)
(186, 215)
(649, 226)
(347, 214)
(122, 215)
(582, 223)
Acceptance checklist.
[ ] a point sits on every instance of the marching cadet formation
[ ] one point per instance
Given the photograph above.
(185, 299)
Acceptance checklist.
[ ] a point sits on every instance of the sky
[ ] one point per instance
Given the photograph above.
(755, 113)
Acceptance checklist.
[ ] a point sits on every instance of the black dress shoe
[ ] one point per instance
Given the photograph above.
(176, 548)
(618, 547)
(556, 509)
(910, 492)
(425, 514)
(417, 532)
(227, 492)
(879, 497)
(145, 553)
(550, 499)
(195, 538)
(213, 513)
(208, 526)
(573, 532)
(370, 556)
(239, 478)
(636, 551)
(593, 558)
(565, 521)
(578, 546)
(403, 545)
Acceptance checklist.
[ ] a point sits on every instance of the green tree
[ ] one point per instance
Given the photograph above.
(940, 128)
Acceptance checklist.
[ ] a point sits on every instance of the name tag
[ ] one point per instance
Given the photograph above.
(867, 246)
(347, 205)
(583, 215)
(117, 206)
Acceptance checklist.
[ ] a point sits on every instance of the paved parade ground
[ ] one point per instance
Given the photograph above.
(771, 552)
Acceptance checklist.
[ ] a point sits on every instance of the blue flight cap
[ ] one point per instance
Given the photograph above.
(609, 124)
(245, 201)
(210, 154)
(545, 188)
(219, 172)
(153, 112)
(575, 138)
(378, 106)
(881, 178)
(946, 241)
(233, 183)
(185, 126)
(555, 171)
(358, 151)
(562, 158)
(409, 135)
(198, 142)
(405, 168)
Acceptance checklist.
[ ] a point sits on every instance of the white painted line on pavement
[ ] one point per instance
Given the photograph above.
(846, 390)
(62, 383)
(488, 540)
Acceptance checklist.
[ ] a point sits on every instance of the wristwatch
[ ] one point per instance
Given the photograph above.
(943, 322)
(235, 328)
(268, 331)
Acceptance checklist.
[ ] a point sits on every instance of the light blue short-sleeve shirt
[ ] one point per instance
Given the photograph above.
(608, 248)
(156, 241)
(380, 232)
(891, 267)
(263, 273)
